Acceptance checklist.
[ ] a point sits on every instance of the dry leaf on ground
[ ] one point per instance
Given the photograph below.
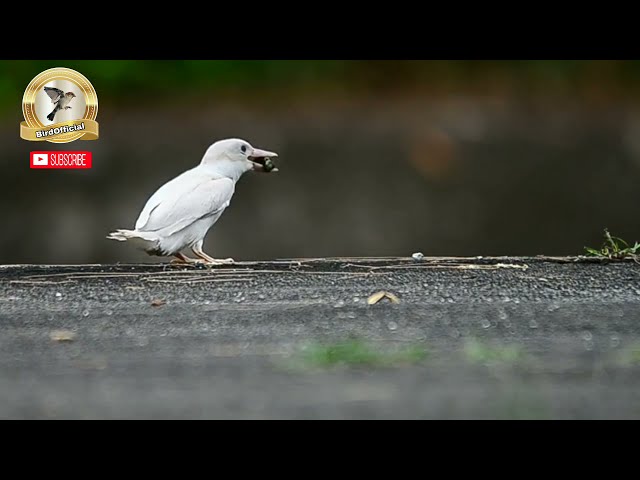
(62, 336)
(376, 297)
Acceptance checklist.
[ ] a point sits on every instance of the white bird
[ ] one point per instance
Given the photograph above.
(181, 212)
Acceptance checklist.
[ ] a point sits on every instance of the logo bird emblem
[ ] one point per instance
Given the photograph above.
(59, 99)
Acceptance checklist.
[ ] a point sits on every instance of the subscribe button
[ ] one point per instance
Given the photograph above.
(60, 160)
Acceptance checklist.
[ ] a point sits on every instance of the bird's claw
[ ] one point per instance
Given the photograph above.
(191, 261)
(220, 261)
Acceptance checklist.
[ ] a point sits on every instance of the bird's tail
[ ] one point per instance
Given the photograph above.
(144, 240)
(52, 114)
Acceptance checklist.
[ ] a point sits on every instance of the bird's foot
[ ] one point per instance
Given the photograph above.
(67, 108)
(219, 261)
(177, 261)
(184, 260)
(209, 260)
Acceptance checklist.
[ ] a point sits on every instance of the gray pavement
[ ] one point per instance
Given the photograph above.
(505, 338)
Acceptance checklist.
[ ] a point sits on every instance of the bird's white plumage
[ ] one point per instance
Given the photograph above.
(185, 199)
(181, 212)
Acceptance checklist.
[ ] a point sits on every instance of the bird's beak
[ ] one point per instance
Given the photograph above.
(261, 160)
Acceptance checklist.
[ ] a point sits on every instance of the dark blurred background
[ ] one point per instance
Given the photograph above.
(377, 158)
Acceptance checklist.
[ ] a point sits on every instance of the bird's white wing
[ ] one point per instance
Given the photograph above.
(184, 200)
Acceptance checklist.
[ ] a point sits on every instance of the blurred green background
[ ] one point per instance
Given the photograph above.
(377, 157)
(578, 79)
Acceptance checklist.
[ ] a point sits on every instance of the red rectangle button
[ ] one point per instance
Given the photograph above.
(60, 160)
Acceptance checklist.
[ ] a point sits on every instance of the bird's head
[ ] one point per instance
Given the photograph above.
(233, 157)
(70, 94)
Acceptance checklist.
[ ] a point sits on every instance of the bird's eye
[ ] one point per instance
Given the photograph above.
(243, 148)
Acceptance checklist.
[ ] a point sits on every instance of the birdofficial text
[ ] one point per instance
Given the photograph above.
(58, 130)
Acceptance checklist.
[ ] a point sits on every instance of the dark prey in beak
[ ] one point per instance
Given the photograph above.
(262, 161)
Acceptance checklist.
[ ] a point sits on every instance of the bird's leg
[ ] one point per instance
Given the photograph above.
(197, 249)
(67, 108)
(180, 258)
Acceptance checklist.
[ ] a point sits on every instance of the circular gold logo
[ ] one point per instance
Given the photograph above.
(59, 105)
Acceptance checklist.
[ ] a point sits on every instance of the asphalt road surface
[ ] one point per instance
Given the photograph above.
(505, 338)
